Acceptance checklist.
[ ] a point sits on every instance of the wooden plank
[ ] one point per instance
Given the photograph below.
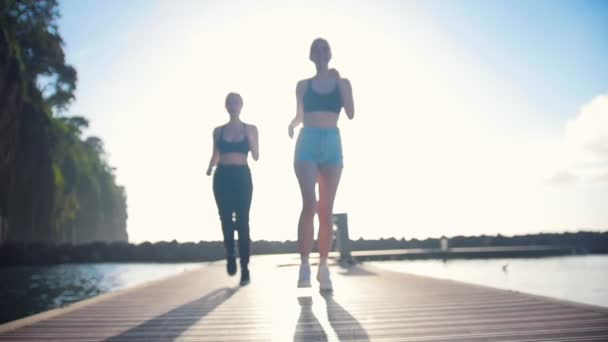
(368, 304)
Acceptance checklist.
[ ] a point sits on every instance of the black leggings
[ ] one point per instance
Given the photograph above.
(232, 189)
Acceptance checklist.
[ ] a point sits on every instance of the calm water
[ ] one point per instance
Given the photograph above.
(25, 291)
(581, 279)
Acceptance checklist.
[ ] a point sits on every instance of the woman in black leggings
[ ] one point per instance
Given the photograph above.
(232, 185)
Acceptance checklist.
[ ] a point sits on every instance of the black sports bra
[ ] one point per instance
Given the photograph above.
(241, 146)
(313, 101)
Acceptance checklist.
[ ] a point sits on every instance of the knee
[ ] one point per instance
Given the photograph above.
(226, 217)
(309, 207)
(325, 213)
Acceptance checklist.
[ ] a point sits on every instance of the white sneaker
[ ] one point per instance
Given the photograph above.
(304, 277)
(324, 278)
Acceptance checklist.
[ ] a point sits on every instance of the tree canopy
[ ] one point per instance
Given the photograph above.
(55, 184)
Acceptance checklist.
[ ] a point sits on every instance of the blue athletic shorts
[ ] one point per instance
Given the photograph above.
(322, 146)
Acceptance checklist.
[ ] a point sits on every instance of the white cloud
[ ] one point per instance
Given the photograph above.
(564, 177)
(586, 145)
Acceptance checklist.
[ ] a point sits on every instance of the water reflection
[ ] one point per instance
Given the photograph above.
(579, 278)
(28, 290)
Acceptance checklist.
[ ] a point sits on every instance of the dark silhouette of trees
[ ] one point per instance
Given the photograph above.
(41, 253)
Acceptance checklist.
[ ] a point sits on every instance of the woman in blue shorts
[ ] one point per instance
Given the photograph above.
(318, 155)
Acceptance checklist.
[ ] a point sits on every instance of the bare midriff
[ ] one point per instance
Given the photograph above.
(320, 119)
(231, 158)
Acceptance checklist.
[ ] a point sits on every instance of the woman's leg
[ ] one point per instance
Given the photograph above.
(329, 178)
(307, 173)
(245, 190)
(224, 200)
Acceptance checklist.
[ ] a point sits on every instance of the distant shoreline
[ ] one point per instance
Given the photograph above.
(19, 253)
(469, 253)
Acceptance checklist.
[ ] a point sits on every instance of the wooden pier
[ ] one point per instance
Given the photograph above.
(368, 304)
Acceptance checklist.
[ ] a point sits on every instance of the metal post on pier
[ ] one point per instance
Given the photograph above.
(444, 244)
(342, 238)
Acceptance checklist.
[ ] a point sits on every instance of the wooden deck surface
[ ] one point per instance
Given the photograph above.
(368, 304)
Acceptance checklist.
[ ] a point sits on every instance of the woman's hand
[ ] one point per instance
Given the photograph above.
(290, 131)
(252, 136)
(215, 155)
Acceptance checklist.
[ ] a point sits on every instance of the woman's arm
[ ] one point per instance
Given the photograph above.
(299, 107)
(252, 136)
(215, 155)
(346, 92)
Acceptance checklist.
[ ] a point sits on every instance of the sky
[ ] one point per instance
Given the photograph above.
(472, 117)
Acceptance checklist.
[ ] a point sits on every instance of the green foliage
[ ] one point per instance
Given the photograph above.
(31, 25)
(56, 185)
(90, 206)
